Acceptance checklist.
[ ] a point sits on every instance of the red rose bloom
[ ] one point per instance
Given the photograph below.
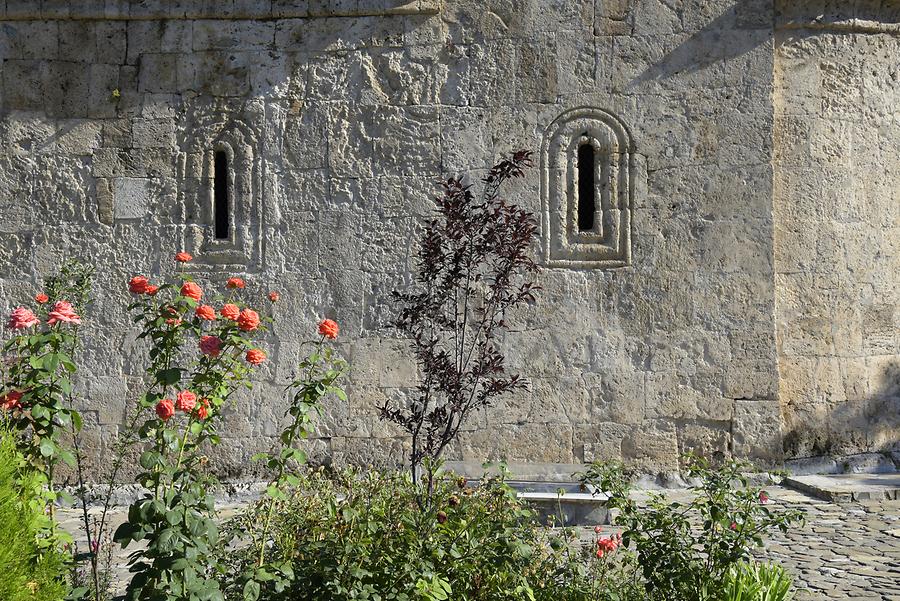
(191, 290)
(183, 257)
(10, 400)
(248, 320)
(235, 283)
(151, 290)
(185, 401)
(255, 356)
(329, 329)
(138, 284)
(211, 345)
(230, 311)
(274, 296)
(165, 409)
(41, 298)
(206, 312)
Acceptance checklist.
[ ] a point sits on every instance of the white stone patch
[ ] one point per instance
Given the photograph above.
(131, 197)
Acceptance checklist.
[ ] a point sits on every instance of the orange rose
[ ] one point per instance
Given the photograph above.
(248, 320)
(151, 290)
(205, 312)
(191, 290)
(41, 298)
(202, 409)
(235, 283)
(329, 329)
(274, 296)
(165, 409)
(255, 356)
(230, 311)
(185, 401)
(183, 257)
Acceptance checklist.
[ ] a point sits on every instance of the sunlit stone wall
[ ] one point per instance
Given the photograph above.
(655, 337)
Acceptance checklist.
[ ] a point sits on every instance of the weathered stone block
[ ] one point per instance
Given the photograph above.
(757, 431)
(652, 445)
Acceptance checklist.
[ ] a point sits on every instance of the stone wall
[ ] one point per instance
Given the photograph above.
(340, 115)
(837, 216)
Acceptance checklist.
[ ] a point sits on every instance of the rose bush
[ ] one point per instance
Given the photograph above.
(264, 572)
(196, 363)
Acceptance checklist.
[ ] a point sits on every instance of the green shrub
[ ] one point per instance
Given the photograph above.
(367, 536)
(687, 551)
(33, 569)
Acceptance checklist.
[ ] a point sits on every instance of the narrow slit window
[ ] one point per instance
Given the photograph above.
(221, 196)
(587, 201)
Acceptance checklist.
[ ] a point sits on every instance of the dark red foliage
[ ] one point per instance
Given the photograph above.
(475, 264)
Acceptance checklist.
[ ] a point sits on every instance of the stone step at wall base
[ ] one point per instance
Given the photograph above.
(848, 487)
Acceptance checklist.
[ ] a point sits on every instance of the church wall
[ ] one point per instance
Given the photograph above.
(340, 117)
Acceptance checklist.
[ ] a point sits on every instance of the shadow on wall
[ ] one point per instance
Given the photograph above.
(870, 425)
(715, 42)
(114, 64)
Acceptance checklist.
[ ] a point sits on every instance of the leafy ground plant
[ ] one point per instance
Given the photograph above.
(199, 356)
(474, 265)
(31, 571)
(751, 581)
(687, 550)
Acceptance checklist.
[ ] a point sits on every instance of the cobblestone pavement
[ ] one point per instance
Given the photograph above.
(845, 551)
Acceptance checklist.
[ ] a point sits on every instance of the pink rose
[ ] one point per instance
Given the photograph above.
(22, 318)
(63, 311)
(211, 345)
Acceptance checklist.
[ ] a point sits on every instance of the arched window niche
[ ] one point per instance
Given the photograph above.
(220, 190)
(587, 160)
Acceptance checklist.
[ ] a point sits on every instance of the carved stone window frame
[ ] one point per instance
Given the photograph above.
(608, 245)
(243, 247)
